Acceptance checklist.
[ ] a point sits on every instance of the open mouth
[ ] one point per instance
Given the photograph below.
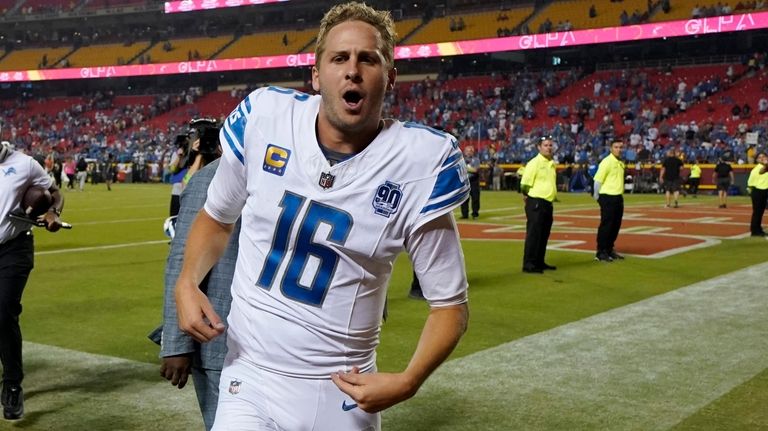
(353, 99)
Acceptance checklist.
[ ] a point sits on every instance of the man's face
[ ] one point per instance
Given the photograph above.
(352, 77)
(616, 148)
(762, 159)
(546, 148)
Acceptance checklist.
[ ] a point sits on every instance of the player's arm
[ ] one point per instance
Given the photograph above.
(444, 283)
(208, 238)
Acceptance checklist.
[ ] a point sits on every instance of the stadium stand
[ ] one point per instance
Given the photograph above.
(106, 54)
(467, 26)
(271, 43)
(497, 109)
(575, 14)
(686, 9)
(33, 58)
(185, 49)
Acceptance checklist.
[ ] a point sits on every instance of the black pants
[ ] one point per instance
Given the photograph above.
(611, 213)
(540, 215)
(693, 185)
(759, 198)
(16, 261)
(474, 196)
(175, 205)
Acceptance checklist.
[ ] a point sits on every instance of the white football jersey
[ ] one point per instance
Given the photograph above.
(17, 173)
(318, 242)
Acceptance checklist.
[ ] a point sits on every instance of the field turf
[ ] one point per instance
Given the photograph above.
(96, 292)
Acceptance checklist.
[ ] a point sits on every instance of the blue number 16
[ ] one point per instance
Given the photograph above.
(340, 223)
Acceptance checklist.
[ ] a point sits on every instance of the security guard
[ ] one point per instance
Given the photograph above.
(17, 173)
(539, 188)
(609, 192)
(758, 191)
(694, 179)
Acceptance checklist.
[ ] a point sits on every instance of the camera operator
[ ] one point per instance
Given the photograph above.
(194, 149)
(203, 145)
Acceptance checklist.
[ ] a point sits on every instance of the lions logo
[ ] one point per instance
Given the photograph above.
(387, 199)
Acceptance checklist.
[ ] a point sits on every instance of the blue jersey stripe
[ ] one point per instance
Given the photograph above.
(237, 128)
(232, 145)
(412, 125)
(452, 159)
(460, 197)
(448, 181)
(247, 103)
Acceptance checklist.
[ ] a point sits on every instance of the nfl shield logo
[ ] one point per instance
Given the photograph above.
(234, 387)
(326, 180)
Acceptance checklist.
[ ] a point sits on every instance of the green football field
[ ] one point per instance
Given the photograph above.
(675, 340)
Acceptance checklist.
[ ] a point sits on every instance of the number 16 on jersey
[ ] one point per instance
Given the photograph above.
(315, 214)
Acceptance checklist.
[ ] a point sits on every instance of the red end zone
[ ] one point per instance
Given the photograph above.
(650, 232)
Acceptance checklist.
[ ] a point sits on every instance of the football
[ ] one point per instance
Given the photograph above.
(36, 201)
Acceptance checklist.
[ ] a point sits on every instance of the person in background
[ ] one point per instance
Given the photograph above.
(539, 189)
(17, 249)
(178, 169)
(109, 170)
(758, 192)
(670, 176)
(694, 179)
(473, 171)
(82, 172)
(609, 193)
(722, 176)
(69, 171)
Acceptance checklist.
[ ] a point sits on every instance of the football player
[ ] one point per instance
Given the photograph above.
(329, 193)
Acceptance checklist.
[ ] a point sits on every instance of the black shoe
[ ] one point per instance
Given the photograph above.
(475, 216)
(533, 270)
(759, 234)
(548, 267)
(13, 401)
(464, 217)
(603, 257)
(615, 256)
(416, 294)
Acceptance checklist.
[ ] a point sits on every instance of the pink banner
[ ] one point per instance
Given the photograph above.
(192, 5)
(691, 27)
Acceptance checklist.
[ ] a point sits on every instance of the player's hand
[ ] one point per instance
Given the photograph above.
(374, 392)
(196, 315)
(176, 369)
(52, 221)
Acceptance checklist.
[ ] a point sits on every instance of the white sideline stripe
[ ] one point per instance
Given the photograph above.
(68, 390)
(644, 366)
(126, 220)
(101, 247)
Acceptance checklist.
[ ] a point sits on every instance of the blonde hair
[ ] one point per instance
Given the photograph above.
(353, 11)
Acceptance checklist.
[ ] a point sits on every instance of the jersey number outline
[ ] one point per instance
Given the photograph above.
(316, 214)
